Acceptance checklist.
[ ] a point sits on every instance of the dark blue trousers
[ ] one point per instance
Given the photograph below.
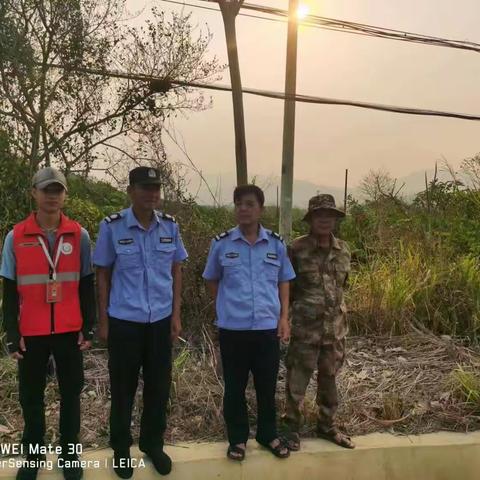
(256, 351)
(133, 346)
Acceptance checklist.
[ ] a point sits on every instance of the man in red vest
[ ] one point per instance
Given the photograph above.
(48, 309)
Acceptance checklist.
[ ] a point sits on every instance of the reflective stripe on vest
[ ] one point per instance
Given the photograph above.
(33, 271)
(39, 279)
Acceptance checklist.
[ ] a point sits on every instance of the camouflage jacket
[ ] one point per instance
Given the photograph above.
(318, 305)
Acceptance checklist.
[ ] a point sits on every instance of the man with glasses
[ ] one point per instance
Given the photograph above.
(248, 274)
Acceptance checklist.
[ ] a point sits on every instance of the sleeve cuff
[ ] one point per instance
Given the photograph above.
(104, 265)
(180, 260)
(210, 279)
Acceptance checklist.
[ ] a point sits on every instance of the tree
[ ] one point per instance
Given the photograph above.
(69, 117)
(378, 185)
(15, 201)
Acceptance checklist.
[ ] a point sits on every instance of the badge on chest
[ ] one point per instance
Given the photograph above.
(54, 291)
(125, 241)
(232, 255)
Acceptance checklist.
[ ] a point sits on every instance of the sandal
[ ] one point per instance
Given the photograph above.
(280, 450)
(334, 435)
(235, 452)
(292, 441)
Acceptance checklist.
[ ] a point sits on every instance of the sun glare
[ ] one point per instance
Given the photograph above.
(302, 11)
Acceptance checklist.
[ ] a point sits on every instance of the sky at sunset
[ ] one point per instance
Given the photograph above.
(330, 139)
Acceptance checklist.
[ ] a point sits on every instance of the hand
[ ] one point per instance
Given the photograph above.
(102, 331)
(18, 355)
(283, 330)
(82, 343)
(175, 327)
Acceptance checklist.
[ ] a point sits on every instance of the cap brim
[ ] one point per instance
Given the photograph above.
(46, 183)
(153, 181)
(339, 213)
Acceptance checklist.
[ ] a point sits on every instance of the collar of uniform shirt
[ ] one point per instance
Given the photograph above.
(237, 234)
(132, 219)
(333, 242)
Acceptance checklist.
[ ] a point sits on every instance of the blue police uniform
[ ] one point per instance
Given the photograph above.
(248, 311)
(139, 309)
(248, 277)
(141, 262)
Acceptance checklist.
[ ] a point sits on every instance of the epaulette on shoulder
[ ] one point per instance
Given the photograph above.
(222, 235)
(114, 216)
(276, 235)
(166, 216)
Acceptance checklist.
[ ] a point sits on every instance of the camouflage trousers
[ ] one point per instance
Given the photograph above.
(302, 359)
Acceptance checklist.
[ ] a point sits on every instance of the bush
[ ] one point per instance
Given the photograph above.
(413, 262)
(90, 200)
(15, 199)
(389, 293)
(465, 383)
(106, 198)
(85, 212)
(416, 262)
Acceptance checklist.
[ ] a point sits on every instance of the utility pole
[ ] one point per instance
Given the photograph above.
(345, 196)
(230, 9)
(286, 199)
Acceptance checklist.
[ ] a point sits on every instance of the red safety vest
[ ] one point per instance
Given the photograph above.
(37, 316)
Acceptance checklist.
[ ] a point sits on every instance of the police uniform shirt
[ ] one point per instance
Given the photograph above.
(248, 276)
(141, 261)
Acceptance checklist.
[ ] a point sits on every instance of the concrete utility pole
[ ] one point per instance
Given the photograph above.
(230, 9)
(289, 124)
(346, 192)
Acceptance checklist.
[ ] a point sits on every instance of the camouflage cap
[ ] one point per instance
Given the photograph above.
(323, 201)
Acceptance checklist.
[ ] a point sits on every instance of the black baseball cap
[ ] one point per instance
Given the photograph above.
(144, 176)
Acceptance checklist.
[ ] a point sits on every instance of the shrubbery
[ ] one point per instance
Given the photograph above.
(414, 262)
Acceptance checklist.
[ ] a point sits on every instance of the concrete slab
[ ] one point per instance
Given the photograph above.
(438, 456)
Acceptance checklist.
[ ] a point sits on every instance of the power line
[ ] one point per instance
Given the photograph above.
(270, 94)
(371, 30)
(212, 9)
(333, 24)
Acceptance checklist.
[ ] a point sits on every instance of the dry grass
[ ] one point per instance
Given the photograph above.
(407, 384)
(404, 384)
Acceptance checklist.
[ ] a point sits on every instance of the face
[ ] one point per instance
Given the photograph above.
(144, 197)
(50, 199)
(248, 210)
(322, 222)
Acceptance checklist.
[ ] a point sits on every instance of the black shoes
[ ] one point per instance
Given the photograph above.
(161, 461)
(122, 463)
(30, 468)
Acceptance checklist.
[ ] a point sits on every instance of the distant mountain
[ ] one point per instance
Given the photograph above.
(223, 185)
(415, 181)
